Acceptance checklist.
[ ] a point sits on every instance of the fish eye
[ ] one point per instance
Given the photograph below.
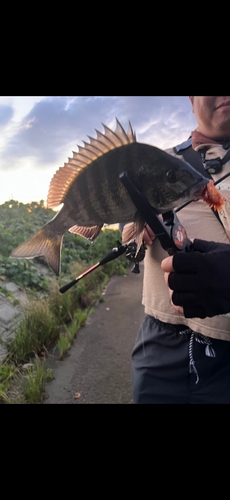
(172, 176)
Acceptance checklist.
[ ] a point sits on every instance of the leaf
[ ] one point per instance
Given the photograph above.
(77, 395)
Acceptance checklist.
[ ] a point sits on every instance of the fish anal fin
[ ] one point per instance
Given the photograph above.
(89, 233)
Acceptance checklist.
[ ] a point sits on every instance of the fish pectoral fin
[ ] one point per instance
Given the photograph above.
(133, 231)
(89, 233)
(42, 244)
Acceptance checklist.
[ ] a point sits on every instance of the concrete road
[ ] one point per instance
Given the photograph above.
(98, 365)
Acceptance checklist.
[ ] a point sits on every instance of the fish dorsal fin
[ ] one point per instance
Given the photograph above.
(63, 178)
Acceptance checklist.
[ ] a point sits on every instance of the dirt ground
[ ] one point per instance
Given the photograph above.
(97, 368)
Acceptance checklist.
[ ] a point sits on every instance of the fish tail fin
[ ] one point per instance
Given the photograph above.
(41, 244)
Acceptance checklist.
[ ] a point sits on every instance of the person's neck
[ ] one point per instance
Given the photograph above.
(199, 139)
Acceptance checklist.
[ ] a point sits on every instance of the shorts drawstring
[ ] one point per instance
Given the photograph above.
(191, 366)
(209, 351)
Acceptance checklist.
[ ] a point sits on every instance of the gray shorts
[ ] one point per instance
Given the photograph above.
(171, 364)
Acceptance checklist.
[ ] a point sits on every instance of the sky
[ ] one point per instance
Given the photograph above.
(39, 133)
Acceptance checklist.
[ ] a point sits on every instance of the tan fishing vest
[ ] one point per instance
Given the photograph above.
(199, 222)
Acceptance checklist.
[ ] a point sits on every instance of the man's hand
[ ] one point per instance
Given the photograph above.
(167, 266)
(148, 236)
(199, 281)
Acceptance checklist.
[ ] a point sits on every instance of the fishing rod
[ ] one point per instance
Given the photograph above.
(116, 252)
(169, 231)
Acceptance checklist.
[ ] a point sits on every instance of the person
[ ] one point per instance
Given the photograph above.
(199, 281)
(182, 351)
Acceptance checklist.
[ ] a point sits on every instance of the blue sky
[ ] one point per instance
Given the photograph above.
(38, 134)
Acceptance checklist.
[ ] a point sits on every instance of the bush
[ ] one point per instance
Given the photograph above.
(38, 328)
(59, 316)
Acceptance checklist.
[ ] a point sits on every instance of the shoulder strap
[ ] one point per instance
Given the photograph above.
(195, 159)
(191, 156)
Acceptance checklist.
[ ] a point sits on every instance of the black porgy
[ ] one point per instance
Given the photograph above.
(92, 194)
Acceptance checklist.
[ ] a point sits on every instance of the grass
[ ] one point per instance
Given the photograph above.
(38, 328)
(7, 373)
(28, 384)
(80, 298)
(67, 337)
(55, 319)
(63, 345)
(45, 321)
(33, 386)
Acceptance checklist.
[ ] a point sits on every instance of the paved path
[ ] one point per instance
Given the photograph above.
(98, 365)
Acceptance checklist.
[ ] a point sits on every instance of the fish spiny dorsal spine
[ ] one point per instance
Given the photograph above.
(103, 143)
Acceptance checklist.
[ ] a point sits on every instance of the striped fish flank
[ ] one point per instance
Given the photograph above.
(89, 187)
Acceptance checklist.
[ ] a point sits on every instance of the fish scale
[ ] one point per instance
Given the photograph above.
(87, 194)
(101, 204)
(91, 192)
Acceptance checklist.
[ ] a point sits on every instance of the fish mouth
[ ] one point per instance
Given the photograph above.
(195, 192)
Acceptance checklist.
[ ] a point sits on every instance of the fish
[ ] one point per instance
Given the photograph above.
(92, 195)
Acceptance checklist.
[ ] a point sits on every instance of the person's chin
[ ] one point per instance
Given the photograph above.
(222, 121)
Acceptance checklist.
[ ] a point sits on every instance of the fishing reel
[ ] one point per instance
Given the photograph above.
(134, 257)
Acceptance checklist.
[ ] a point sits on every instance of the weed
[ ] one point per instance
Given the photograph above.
(67, 338)
(7, 372)
(33, 386)
(38, 327)
(45, 318)
(63, 345)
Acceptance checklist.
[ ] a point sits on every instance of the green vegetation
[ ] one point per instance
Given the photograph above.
(37, 329)
(67, 337)
(7, 373)
(33, 384)
(52, 319)
(28, 386)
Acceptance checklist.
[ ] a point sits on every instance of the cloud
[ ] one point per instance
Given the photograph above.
(55, 122)
(6, 113)
(38, 134)
(159, 120)
(55, 125)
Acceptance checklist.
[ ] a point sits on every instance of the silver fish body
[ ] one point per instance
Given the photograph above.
(93, 195)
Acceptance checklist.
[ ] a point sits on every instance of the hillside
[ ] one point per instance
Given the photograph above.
(50, 319)
(19, 221)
